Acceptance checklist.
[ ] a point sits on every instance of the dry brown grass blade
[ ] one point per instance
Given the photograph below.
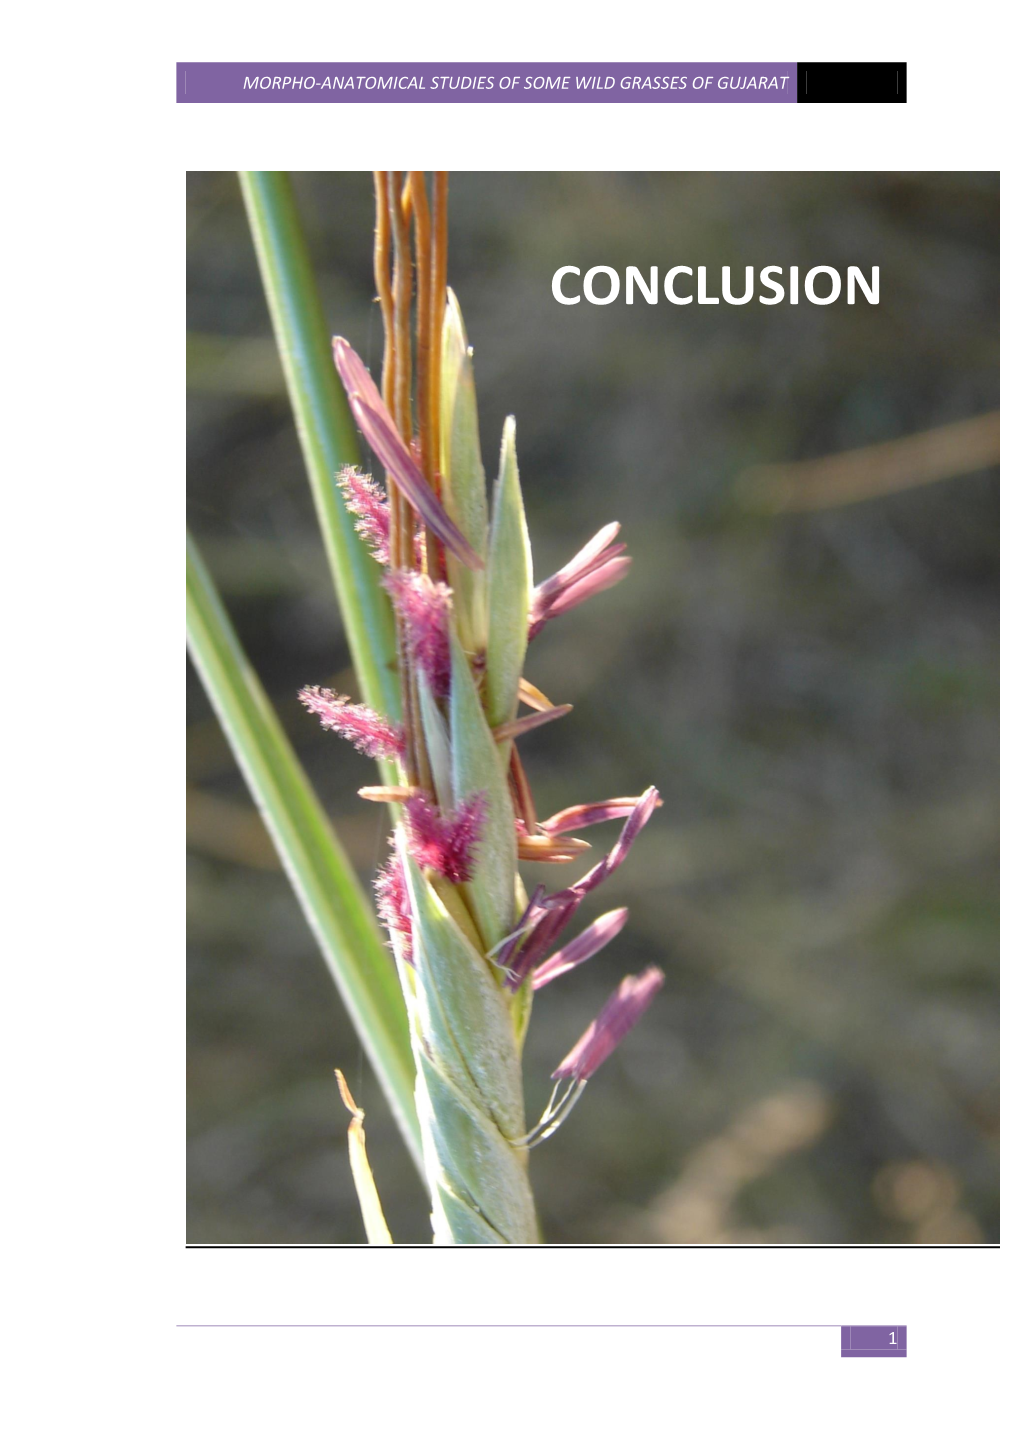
(525, 723)
(530, 695)
(555, 850)
(376, 1229)
(855, 475)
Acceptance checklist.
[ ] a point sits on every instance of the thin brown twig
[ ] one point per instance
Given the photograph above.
(402, 284)
(524, 804)
(402, 545)
(381, 260)
(383, 285)
(522, 724)
(387, 209)
(440, 189)
(943, 453)
(551, 850)
(427, 433)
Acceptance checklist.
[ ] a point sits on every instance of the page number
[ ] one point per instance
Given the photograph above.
(873, 1340)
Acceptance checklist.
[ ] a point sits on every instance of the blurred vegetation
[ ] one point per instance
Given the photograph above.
(814, 692)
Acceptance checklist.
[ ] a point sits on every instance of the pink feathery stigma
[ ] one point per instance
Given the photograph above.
(596, 567)
(424, 606)
(581, 948)
(376, 425)
(441, 843)
(394, 907)
(365, 500)
(463, 835)
(372, 733)
(575, 818)
(623, 1010)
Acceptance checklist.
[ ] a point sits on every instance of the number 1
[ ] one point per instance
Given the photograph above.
(892, 1338)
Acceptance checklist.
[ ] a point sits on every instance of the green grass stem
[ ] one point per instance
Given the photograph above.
(325, 429)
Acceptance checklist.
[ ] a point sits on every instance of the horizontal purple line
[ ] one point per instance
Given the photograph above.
(504, 1326)
(480, 82)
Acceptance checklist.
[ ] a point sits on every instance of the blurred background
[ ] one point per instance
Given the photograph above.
(803, 660)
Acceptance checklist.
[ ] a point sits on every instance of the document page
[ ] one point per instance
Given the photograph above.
(591, 773)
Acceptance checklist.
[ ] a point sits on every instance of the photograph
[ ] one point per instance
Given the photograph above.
(593, 708)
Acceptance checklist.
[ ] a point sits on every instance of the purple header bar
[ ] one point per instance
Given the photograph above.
(421, 83)
(872, 1341)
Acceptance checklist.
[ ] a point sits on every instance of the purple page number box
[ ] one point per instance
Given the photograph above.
(872, 1340)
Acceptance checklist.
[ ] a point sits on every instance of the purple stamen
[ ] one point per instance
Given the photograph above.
(595, 568)
(524, 926)
(634, 824)
(376, 424)
(621, 1012)
(575, 818)
(547, 929)
(585, 558)
(549, 916)
(606, 574)
(581, 948)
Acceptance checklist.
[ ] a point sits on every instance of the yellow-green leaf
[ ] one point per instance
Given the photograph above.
(463, 476)
(510, 580)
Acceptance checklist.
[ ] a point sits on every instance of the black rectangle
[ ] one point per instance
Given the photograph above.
(869, 82)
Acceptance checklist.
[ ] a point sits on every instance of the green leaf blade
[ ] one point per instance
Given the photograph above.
(323, 879)
(325, 430)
